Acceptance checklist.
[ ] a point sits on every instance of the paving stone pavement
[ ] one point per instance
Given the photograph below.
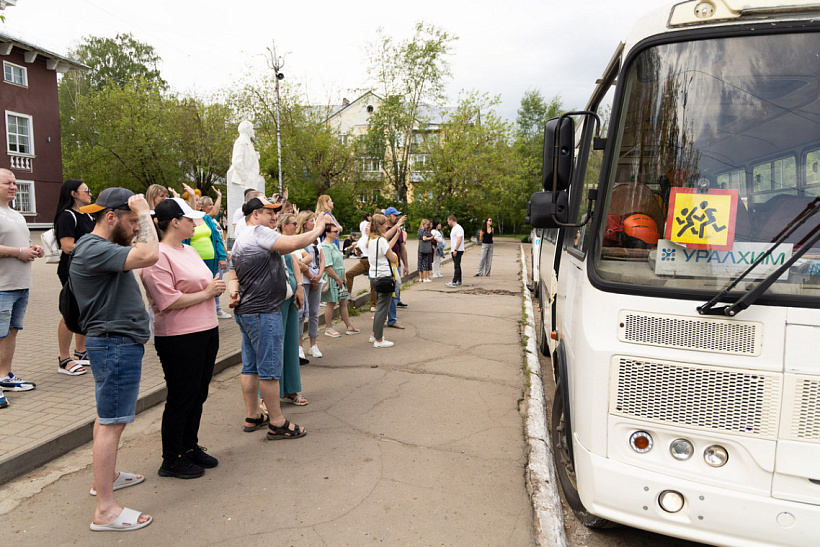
(59, 414)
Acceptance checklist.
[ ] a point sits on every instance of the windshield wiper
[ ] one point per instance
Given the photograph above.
(751, 297)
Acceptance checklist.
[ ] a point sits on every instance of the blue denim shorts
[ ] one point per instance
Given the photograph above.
(13, 306)
(116, 362)
(263, 338)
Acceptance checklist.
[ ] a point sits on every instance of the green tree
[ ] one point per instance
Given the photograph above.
(405, 75)
(472, 168)
(118, 60)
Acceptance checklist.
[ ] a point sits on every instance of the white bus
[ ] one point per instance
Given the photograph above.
(679, 279)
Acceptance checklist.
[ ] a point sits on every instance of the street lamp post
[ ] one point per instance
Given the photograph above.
(276, 63)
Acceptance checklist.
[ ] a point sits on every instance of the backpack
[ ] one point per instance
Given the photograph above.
(69, 308)
(51, 244)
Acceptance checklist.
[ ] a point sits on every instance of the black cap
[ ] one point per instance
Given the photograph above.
(110, 198)
(259, 203)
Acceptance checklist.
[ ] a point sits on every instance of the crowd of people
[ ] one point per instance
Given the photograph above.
(281, 267)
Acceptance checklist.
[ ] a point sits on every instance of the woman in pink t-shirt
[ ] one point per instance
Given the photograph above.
(181, 292)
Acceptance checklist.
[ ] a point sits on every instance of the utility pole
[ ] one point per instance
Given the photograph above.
(276, 63)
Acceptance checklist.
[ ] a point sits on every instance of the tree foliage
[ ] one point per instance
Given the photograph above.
(405, 74)
(121, 127)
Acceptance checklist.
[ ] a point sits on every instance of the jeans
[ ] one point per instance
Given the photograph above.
(310, 311)
(116, 362)
(13, 306)
(188, 363)
(263, 338)
(457, 266)
(383, 303)
(391, 313)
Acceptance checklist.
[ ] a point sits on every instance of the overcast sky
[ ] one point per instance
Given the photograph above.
(505, 46)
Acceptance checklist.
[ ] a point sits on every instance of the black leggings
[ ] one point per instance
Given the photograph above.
(188, 363)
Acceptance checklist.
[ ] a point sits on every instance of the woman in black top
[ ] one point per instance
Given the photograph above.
(486, 237)
(69, 226)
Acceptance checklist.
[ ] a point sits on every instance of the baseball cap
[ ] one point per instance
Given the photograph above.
(172, 208)
(391, 211)
(110, 198)
(259, 203)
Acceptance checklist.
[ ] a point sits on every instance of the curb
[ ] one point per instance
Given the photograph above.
(541, 480)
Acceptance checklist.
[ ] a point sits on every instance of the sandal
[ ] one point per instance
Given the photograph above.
(75, 370)
(82, 358)
(352, 330)
(284, 431)
(297, 400)
(332, 333)
(258, 423)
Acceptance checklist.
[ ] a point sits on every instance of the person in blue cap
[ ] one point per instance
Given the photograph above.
(396, 222)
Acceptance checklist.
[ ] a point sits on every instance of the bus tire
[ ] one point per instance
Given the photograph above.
(564, 468)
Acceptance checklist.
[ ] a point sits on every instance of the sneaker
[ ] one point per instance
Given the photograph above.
(401, 305)
(372, 308)
(198, 456)
(427, 281)
(180, 468)
(372, 339)
(451, 284)
(3, 401)
(314, 352)
(301, 353)
(303, 361)
(396, 326)
(222, 315)
(15, 383)
(383, 344)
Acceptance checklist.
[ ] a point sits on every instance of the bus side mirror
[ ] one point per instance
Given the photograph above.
(559, 149)
(548, 210)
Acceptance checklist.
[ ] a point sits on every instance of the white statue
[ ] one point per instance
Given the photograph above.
(243, 173)
(244, 169)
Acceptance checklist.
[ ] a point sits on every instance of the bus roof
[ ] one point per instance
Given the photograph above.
(683, 15)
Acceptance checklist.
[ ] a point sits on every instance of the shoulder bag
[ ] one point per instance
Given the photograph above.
(383, 284)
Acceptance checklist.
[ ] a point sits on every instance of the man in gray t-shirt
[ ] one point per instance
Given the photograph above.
(16, 256)
(257, 287)
(111, 308)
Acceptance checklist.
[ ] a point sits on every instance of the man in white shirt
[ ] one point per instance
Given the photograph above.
(457, 248)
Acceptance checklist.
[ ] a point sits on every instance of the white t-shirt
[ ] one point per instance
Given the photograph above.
(239, 222)
(455, 233)
(362, 245)
(381, 266)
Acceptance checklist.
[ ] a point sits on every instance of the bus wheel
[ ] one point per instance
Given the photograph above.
(564, 468)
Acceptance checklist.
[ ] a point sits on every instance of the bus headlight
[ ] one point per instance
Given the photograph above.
(715, 455)
(681, 449)
(641, 442)
(671, 501)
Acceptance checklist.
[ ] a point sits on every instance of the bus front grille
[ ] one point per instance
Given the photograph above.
(699, 334)
(707, 398)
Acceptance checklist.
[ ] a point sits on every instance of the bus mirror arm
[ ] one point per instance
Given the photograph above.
(751, 297)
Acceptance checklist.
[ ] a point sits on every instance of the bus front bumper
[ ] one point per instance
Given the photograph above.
(630, 495)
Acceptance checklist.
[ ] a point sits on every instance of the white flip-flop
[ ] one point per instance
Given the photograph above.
(127, 521)
(124, 480)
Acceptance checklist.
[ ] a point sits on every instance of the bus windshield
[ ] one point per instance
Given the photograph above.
(717, 153)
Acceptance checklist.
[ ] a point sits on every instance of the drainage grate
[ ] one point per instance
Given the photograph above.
(713, 335)
(708, 398)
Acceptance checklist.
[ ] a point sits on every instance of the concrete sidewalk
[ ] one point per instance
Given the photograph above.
(423, 442)
(58, 416)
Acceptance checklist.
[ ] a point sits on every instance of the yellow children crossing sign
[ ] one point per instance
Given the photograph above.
(702, 220)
